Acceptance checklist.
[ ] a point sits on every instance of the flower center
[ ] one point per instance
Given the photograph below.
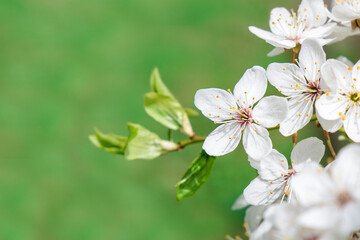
(355, 96)
(314, 89)
(244, 116)
(290, 173)
(344, 198)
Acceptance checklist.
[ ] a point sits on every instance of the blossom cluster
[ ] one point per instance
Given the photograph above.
(296, 198)
(326, 203)
(293, 198)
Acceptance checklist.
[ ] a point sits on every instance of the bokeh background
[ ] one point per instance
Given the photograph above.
(67, 66)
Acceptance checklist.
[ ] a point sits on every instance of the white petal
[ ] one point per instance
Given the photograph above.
(270, 111)
(356, 75)
(312, 185)
(285, 77)
(345, 60)
(275, 40)
(345, 170)
(215, 103)
(255, 163)
(312, 57)
(262, 232)
(276, 51)
(352, 123)
(300, 113)
(320, 32)
(326, 41)
(329, 125)
(332, 106)
(310, 149)
(314, 11)
(279, 19)
(322, 218)
(256, 141)
(273, 166)
(254, 217)
(342, 32)
(336, 75)
(260, 192)
(223, 139)
(350, 219)
(344, 13)
(251, 87)
(240, 203)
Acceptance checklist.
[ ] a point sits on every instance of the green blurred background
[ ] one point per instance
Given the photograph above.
(68, 66)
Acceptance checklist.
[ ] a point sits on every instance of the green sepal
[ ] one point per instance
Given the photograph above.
(142, 144)
(197, 174)
(164, 109)
(109, 142)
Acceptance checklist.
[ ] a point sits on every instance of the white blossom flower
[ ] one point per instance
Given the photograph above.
(281, 221)
(302, 84)
(290, 29)
(275, 175)
(346, 11)
(238, 116)
(331, 196)
(342, 102)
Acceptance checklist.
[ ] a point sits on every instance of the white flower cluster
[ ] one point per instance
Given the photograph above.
(296, 198)
(326, 205)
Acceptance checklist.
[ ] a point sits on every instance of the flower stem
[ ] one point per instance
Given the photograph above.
(195, 139)
(328, 141)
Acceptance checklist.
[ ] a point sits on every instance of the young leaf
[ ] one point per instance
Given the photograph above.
(142, 144)
(165, 110)
(109, 142)
(197, 174)
(158, 86)
(191, 112)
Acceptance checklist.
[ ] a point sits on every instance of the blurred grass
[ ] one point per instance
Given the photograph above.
(68, 66)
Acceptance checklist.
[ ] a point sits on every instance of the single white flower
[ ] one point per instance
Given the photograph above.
(342, 102)
(290, 29)
(332, 196)
(302, 84)
(275, 174)
(238, 116)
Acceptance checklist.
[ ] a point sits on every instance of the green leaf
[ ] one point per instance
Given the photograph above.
(197, 174)
(109, 142)
(191, 112)
(158, 86)
(164, 109)
(142, 144)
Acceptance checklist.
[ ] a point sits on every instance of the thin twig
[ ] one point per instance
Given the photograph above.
(328, 141)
